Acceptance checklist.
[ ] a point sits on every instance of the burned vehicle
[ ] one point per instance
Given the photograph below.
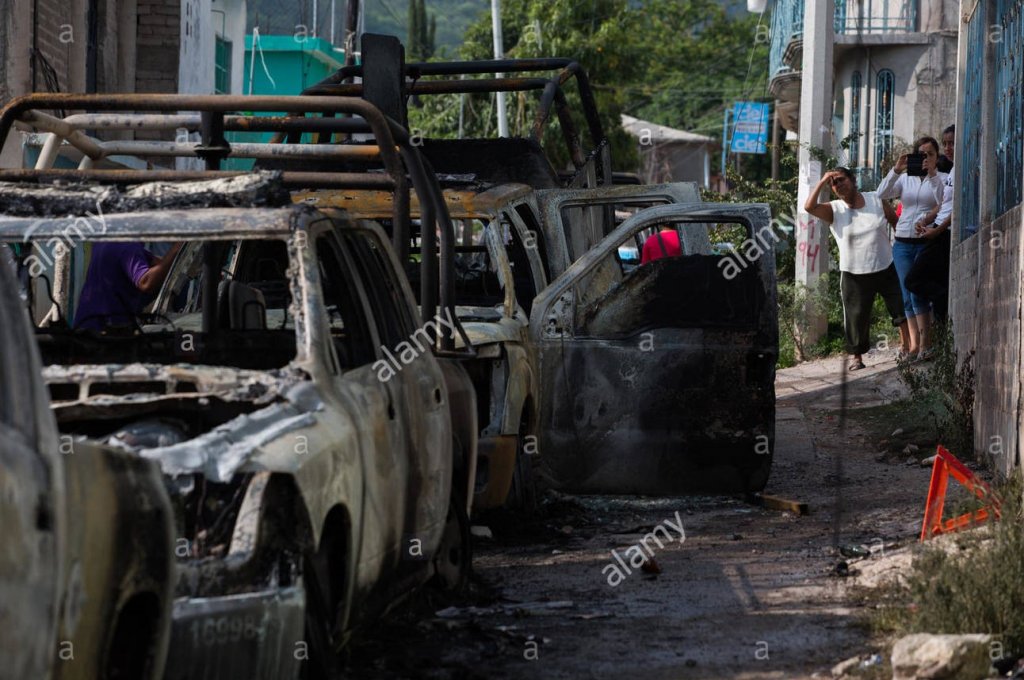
(657, 377)
(74, 602)
(387, 80)
(545, 221)
(316, 441)
(498, 271)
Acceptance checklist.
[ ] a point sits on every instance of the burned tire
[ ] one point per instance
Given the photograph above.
(453, 562)
(323, 604)
(522, 496)
(755, 477)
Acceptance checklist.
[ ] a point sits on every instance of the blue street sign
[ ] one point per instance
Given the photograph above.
(750, 127)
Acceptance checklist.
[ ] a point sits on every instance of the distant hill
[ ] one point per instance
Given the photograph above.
(382, 16)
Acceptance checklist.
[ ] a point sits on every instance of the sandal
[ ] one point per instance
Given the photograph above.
(856, 365)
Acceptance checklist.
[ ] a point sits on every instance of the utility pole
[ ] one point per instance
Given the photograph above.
(499, 52)
(332, 23)
(815, 119)
(315, 12)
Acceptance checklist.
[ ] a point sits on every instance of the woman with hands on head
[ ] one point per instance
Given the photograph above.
(919, 196)
(859, 221)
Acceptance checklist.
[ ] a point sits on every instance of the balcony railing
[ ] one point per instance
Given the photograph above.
(853, 17)
(876, 16)
(787, 26)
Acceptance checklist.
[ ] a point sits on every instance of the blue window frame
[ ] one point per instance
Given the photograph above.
(885, 89)
(968, 148)
(222, 66)
(1008, 27)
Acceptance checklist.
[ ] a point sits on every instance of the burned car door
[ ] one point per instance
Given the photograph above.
(575, 220)
(657, 376)
(405, 367)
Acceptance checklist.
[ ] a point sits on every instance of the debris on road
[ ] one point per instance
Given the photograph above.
(949, 657)
(777, 503)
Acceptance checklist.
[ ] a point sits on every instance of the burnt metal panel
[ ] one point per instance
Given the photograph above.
(642, 396)
(383, 78)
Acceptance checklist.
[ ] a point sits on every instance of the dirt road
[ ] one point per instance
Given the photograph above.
(746, 593)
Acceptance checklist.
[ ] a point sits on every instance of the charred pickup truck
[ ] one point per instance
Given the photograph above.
(317, 449)
(86, 552)
(619, 405)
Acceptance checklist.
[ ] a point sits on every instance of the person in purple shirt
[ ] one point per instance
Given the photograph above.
(123, 278)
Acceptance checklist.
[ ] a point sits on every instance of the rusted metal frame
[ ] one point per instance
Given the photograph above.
(321, 180)
(238, 150)
(454, 68)
(437, 87)
(569, 131)
(97, 150)
(232, 123)
(435, 281)
(597, 137)
(204, 103)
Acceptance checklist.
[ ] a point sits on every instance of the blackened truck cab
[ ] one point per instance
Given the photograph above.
(310, 487)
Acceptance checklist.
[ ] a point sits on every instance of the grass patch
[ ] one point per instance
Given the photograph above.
(947, 384)
(974, 585)
(918, 422)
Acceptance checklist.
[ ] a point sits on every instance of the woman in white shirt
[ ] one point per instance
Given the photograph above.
(919, 196)
(860, 224)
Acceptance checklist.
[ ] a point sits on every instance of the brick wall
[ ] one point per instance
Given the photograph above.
(55, 43)
(156, 65)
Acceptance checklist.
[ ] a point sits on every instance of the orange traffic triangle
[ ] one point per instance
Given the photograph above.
(945, 465)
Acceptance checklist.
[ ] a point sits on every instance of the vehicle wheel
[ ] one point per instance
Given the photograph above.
(522, 497)
(756, 479)
(322, 637)
(453, 562)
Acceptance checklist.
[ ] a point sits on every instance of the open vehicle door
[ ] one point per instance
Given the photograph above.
(575, 220)
(658, 377)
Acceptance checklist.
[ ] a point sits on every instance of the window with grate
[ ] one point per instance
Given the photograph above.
(968, 147)
(222, 66)
(1009, 72)
(885, 86)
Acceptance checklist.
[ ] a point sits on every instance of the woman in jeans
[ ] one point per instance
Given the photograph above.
(860, 224)
(919, 196)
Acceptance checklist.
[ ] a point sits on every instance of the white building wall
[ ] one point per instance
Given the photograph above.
(195, 66)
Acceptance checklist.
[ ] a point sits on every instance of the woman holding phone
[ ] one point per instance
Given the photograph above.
(916, 181)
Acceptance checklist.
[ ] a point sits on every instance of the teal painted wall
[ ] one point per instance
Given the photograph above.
(284, 65)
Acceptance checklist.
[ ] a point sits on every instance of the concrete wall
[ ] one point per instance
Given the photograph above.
(986, 294)
(925, 86)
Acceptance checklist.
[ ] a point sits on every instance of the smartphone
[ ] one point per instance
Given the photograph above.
(915, 165)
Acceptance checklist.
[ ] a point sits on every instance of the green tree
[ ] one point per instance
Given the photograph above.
(679, 63)
(596, 34)
(700, 59)
(421, 45)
